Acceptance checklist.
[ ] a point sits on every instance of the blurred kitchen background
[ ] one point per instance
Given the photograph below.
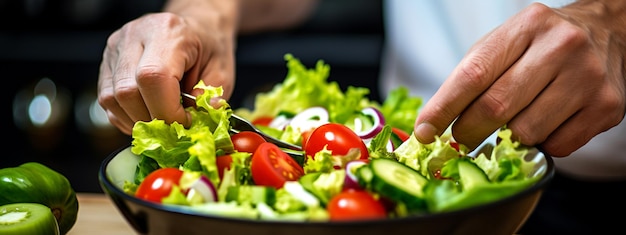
(50, 52)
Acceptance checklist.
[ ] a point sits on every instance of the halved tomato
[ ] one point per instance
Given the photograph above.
(271, 166)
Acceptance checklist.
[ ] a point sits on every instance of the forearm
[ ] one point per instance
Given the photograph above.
(263, 15)
(245, 16)
(224, 14)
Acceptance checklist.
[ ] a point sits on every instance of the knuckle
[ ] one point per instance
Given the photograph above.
(493, 107)
(112, 40)
(164, 20)
(170, 18)
(614, 101)
(473, 73)
(127, 93)
(537, 11)
(148, 74)
(106, 101)
(569, 36)
(572, 35)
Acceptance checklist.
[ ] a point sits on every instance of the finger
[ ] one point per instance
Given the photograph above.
(548, 111)
(562, 142)
(597, 115)
(105, 76)
(160, 71)
(220, 72)
(116, 115)
(512, 94)
(576, 86)
(480, 68)
(123, 125)
(125, 87)
(106, 94)
(509, 97)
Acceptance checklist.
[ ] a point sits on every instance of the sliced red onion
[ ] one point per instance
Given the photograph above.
(203, 188)
(280, 122)
(351, 181)
(309, 119)
(377, 125)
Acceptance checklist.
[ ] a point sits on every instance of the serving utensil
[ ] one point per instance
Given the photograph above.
(238, 124)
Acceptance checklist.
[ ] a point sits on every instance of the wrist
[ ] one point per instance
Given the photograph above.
(209, 15)
(605, 21)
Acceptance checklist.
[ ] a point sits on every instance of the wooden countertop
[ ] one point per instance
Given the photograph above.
(97, 215)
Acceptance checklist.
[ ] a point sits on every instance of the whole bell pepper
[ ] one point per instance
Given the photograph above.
(34, 182)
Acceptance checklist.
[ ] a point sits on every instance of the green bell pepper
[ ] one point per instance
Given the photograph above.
(34, 182)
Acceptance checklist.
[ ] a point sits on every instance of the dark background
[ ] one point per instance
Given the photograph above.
(58, 41)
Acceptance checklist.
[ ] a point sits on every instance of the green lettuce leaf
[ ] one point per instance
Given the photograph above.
(305, 88)
(400, 109)
(196, 147)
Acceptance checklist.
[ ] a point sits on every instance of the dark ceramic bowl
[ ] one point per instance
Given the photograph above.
(500, 217)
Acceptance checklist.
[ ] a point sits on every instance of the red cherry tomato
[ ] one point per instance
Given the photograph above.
(223, 164)
(262, 121)
(337, 138)
(400, 133)
(246, 141)
(353, 204)
(270, 166)
(158, 184)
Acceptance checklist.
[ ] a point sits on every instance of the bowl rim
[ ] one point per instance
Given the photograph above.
(108, 186)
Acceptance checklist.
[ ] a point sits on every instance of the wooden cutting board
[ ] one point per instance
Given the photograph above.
(97, 215)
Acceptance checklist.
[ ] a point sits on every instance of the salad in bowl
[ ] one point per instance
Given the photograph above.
(359, 161)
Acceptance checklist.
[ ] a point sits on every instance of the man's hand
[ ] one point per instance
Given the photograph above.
(555, 77)
(148, 61)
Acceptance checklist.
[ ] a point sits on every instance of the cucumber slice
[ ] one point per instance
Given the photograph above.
(398, 182)
(253, 194)
(471, 175)
(364, 176)
(27, 218)
(307, 183)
